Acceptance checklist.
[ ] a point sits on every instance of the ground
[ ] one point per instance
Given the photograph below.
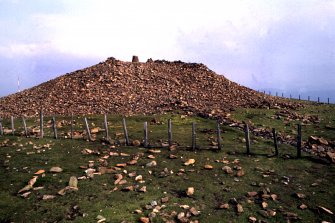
(272, 189)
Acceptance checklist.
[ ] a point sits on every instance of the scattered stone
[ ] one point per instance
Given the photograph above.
(224, 206)
(144, 220)
(189, 162)
(132, 162)
(39, 172)
(129, 188)
(56, 169)
(138, 211)
(208, 167)
(136, 143)
(194, 211)
(143, 189)
(63, 191)
(227, 170)
(274, 197)
(151, 164)
(48, 197)
(139, 178)
(252, 219)
(331, 156)
(155, 151)
(164, 199)
(171, 156)
(73, 182)
(240, 173)
(326, 210)
(239, 208)
(121, 165)
(300, 195)
(303, 206)
(118, 178)
(252, 194)
(25, 195)
(264, 205)
(151, 157)
(190, 191)
(100, 219)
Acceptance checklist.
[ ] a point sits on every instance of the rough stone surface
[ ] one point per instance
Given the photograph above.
(126, 88)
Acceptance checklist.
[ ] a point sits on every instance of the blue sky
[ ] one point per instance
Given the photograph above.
(279, 45)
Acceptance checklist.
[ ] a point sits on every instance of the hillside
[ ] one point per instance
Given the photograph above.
(121, 87)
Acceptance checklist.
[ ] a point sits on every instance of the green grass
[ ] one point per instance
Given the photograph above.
(212, 187)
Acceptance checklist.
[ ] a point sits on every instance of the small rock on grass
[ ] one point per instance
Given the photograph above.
(239, 208)
(190, 191)
(227, 170)
(189, 162)
(73, 182)
(303, 206)
(144, 220)
(164, 199)
(56, 169)
(48, 197)
(224, 206)
(151, 164)
(252, 219)
(208, 167)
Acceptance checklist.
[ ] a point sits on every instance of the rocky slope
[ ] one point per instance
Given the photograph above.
(127, 88)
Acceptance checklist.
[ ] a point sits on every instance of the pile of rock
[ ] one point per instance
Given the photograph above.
(129, 88)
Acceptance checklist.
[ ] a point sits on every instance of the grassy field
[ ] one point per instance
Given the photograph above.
(281, 185)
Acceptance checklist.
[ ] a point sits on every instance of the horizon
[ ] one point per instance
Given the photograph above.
(278, 46)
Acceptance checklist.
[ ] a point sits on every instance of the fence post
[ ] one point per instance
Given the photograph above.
(41, 124)
(12, 124)
(145, 131)
(299, 138)
(25, 127)
(282, 95)
(275, 141)
(218, 130)
(170, 132)
(1, 128)
(318, 99)
(328, 100)
(125, 130)
(193, 136)
(247, 138)
(276, 94)
(71, 125)
(308, 98)
(299, 97)
(290, 96)
(88, 130)
(106, 127)
(54, 127)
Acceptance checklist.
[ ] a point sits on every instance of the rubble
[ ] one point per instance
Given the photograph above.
(118, 87)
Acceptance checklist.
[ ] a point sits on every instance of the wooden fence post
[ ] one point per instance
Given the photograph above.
(275, 141)
(247, 138)
(71, 125)
(41, 124)
(290, 96)
(282, 95)
(328, 100)
(299, 138)
(170, 132)
(125, 130)
(309, 98)
(12, 124)
(1, 128)
(276, 94)
(25, 127)
(88, 129)
(318, 99)
(54, 127)
(218, 130)
(193, 136)
(299, 97)
(106, 127)
(145, 130)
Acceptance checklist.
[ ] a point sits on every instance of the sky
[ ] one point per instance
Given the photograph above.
(279, 45)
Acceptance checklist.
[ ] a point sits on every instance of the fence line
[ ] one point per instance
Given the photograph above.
(145, 132)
